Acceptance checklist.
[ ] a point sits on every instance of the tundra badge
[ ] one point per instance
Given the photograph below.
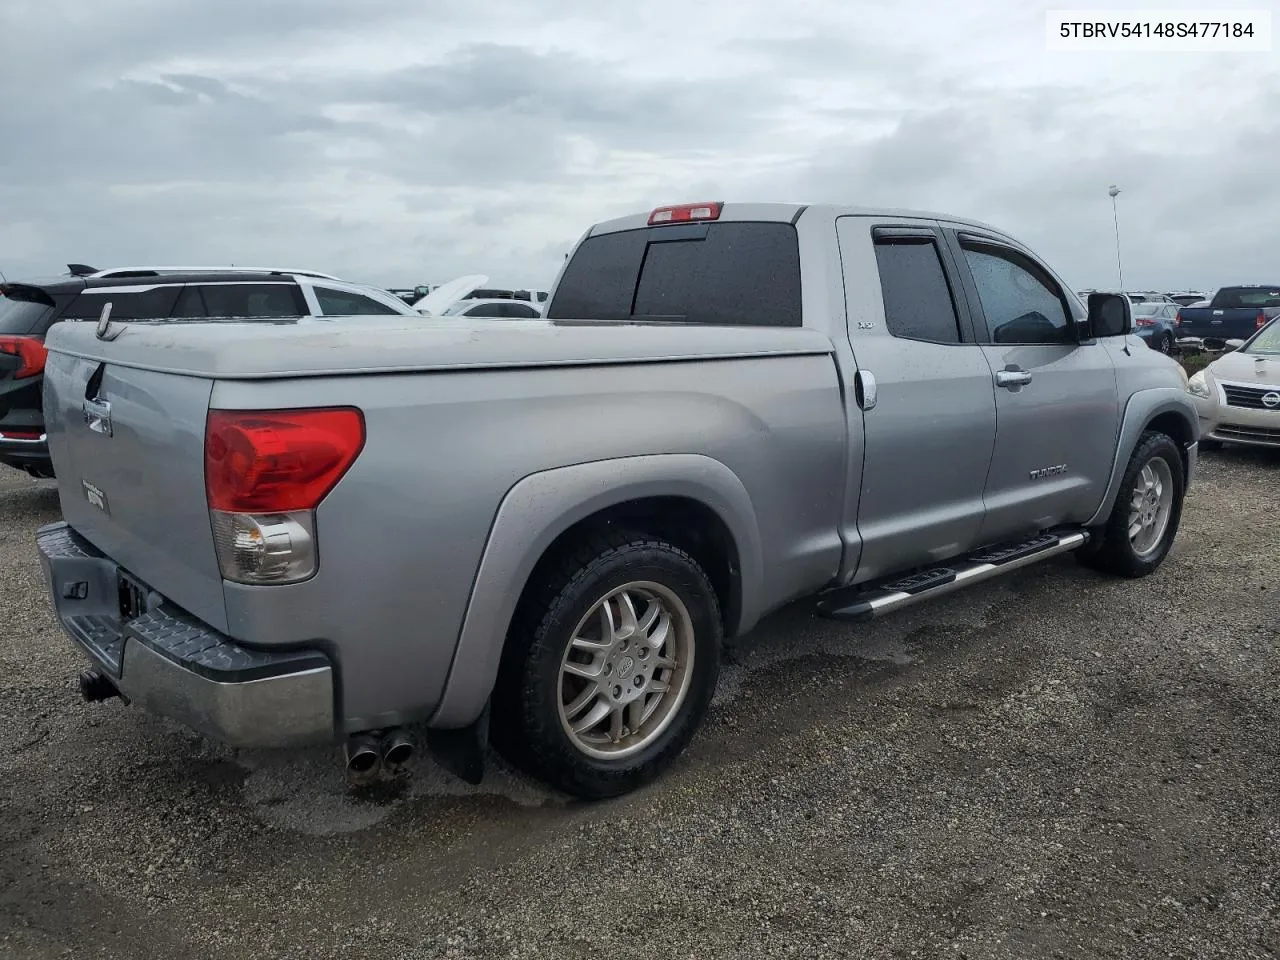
(1048, 471)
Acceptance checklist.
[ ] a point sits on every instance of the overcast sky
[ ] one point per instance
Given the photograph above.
(398, 143)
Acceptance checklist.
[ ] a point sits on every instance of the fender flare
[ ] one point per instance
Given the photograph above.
(537, 509)
(1143, 407)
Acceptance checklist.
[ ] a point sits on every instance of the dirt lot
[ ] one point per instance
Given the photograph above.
(1057, 765)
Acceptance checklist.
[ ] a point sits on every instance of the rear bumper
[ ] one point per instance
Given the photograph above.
(171, 664)
(25, 454)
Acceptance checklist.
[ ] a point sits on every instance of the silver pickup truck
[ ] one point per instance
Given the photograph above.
(538, 533)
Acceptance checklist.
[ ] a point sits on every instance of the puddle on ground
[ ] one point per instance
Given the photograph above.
(306, 791)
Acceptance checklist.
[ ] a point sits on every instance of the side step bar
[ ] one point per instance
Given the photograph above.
(869, 601)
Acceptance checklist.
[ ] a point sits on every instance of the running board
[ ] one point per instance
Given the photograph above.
(869, 601)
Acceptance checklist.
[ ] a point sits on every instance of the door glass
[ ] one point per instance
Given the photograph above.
(150, 303)
(1020, 306)
(343, 303)
(917, 298)
(249, 300)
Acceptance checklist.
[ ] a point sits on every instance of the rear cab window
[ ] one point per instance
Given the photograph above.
(1259, 298)
(740, 273)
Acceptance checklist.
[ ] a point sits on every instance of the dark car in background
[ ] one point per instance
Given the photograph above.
(29, 309)
(1234, 313)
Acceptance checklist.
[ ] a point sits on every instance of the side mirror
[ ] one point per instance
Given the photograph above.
(1233, 344)
(1110, 315)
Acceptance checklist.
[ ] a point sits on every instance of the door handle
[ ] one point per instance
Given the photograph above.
(864, 389)
(1009, 379)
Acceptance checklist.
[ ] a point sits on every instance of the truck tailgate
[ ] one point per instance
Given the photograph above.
(1207, 322)
(127, 445)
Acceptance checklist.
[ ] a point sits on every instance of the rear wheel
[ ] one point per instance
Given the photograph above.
(1148, 508)
(1166, 343)
(609, 668)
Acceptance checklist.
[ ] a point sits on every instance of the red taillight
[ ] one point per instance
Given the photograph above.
(30, 352)
(685, 212)
(9, 434)
(1262, 320)
(1144, 321)
(1177, 320)
(277, 461)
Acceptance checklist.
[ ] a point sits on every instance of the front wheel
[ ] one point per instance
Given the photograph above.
(1148, 508)
(609, 668)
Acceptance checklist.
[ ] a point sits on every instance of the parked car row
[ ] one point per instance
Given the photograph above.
(540, 533)
(29, 309)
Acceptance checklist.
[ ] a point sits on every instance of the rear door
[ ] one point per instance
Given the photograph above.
(1057, 405)
(923, 381)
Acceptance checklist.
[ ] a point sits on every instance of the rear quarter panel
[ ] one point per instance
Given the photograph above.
(402, 535)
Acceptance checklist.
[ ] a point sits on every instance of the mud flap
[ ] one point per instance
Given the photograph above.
(461, 751)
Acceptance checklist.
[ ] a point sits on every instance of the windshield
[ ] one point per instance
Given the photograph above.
(1266, 341)
(1245, 297)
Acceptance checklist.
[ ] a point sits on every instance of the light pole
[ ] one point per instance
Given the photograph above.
(1111, 192)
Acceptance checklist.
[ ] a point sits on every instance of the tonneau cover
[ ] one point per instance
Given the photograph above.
(258, 349)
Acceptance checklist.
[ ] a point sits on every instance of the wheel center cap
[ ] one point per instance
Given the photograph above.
(625, 667)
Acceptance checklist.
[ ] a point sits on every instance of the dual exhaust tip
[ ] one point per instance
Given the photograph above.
(368, 753)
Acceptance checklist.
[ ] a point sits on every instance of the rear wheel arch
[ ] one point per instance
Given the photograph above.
(693, 502)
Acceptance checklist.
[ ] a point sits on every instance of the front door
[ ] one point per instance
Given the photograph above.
(1057, 405)
(926, 393)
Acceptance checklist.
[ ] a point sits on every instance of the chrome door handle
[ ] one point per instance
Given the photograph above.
(1012, 378)
(864, 389)
(97, 416)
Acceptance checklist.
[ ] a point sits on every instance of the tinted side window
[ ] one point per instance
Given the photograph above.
(486, 310)
(343, 303)
(190, 303)
(1020, 303)
(917, 298)
(519, 310)
(155, 303)
(723, 273)
(248, 300)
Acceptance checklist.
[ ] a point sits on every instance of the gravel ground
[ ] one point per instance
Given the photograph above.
(1055, 765)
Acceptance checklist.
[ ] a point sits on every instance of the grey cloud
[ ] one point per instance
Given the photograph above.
(455, 156)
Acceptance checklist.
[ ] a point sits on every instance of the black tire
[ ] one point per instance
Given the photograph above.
(526, 727)
(1166, 344)
(1111, 549)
